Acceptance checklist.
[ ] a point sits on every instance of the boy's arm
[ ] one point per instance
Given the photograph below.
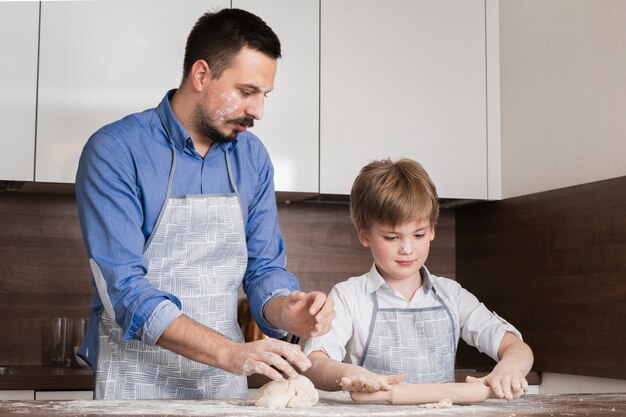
(507, 379)
(329, 375)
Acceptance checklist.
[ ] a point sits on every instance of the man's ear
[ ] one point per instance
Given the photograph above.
(362, 233)
(200, 73)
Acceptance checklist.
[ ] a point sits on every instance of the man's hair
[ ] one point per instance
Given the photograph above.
(392, 193)
(218, 37)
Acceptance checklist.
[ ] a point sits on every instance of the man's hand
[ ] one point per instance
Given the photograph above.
(266, 357)
(199, 343)
(302, 314)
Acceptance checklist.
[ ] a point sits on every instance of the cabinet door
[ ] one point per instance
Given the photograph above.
(19, 35)
(17, 394)
(404, 78)
(64, 395)
(99, 61)
(290, 126)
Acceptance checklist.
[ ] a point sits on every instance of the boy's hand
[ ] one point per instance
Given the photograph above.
(505, 383)
(369, 382)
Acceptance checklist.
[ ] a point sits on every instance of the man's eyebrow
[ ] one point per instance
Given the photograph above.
(254, 88)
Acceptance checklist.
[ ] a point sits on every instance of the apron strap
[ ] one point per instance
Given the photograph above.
(169, 180)
(445, 306)
(371, 329)
(230, 172)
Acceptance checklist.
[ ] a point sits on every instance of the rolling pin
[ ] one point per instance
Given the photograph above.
(459, 393)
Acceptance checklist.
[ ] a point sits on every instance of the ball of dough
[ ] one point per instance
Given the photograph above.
(275, 394)
(292, 393)
(306, 395)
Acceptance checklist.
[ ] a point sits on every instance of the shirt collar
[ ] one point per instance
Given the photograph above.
(177, 133)
(375, 280)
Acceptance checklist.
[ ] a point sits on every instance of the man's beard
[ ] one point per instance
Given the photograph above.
(205, 124)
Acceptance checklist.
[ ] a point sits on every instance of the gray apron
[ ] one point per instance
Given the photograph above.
(418, 341)
(198, 253)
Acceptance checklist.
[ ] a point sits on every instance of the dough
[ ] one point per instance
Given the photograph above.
(445, 403)
(306, 395)
(292, 393)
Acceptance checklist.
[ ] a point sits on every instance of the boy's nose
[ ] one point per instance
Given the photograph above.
(406, 249)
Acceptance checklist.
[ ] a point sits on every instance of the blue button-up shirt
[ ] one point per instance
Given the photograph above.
(121, 185)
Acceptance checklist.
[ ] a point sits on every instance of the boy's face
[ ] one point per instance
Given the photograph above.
(399, 252)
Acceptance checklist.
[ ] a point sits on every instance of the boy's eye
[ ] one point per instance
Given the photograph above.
(245, 93)
(420, 235)
(390, 237)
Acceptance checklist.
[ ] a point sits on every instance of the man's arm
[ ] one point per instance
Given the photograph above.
(201, 344)
(111, 218)
(273, 292)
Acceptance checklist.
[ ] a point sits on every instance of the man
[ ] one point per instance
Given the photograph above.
(177, 210)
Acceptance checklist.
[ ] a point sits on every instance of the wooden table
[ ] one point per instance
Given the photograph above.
(331, 405)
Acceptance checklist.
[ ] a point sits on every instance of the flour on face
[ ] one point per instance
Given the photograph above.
(230, 103)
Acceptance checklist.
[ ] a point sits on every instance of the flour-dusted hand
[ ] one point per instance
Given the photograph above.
(266, 357)
(365, 381)
(303, 314)
(507, 379)
(506, 382)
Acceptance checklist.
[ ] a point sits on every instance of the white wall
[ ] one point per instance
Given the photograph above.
(563, 93)
(576, 384)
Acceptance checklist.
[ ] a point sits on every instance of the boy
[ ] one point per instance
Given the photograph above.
(398, 322)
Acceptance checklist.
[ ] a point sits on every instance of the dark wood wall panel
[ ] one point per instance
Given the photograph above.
(554, 264)
(44, 271)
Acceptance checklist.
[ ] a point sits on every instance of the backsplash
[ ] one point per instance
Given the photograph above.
(554, 265)
(44, 270)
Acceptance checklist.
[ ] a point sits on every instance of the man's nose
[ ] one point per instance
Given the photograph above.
(255, 106)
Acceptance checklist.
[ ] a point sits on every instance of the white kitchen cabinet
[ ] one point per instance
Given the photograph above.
(405, 78)
(17, 394)
(19, 33)
(290, 126)
(99, 61)
(64, 395)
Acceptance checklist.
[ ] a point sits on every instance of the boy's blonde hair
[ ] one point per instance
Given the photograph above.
(392, 193)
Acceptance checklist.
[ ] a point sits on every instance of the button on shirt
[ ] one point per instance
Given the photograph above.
(354, 306)
(121, 185)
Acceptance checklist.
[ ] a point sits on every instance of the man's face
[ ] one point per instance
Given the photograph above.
(231, 103)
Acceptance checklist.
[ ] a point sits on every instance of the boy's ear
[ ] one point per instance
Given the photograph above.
(363, 237)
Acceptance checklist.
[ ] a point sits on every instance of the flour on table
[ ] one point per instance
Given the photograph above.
(288, 393)
(445, 403)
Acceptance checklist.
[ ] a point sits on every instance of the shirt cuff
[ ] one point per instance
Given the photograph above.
(496, 335)
(333, 351)
(162, 316)
(266, 326)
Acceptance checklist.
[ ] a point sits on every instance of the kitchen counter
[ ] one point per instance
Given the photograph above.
(330, 405)
(49, 378)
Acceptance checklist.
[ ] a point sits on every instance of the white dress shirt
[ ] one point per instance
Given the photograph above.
(354, 306)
